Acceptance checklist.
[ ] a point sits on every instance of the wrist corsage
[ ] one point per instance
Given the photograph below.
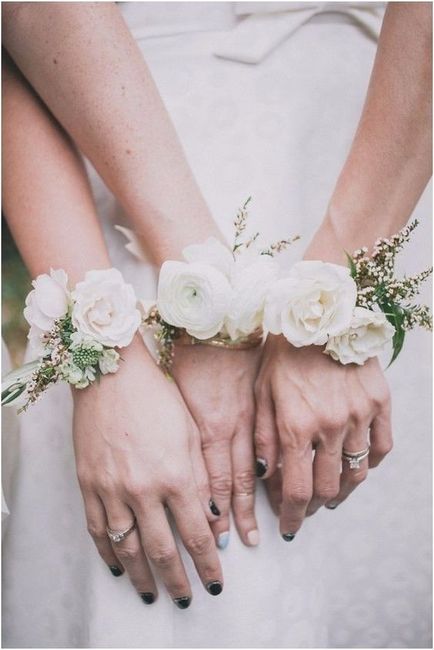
(75, 333)
(353, 312)
(216, 296)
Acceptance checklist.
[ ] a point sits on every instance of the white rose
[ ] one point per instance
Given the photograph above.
(211, 252)
(251, 279)
(315, 301)
(193, 296)
(105, 308)
(47, 302)
(367, 336)
(109, 361)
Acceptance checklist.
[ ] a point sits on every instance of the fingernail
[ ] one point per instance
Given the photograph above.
(331, 506)
(214, 588)
(116, 571)
(213, 507)
(147, 597)
(182, 602)
(288, 537)
(223, 540)
(253, 537)
(261, 467)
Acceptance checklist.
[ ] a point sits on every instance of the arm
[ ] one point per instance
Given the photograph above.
(320, 404)
(122, 126)
(66, 51)
(50, 209)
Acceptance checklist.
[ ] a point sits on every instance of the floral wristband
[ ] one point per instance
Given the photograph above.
(221, 297)
(74, 332)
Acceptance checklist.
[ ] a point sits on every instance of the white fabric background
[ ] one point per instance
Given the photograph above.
(355, 577)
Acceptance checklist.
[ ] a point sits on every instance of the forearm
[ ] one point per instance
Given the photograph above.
(46, 196)
(84, 50)
(389, 163)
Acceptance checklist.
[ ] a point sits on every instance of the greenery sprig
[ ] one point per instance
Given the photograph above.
(377, 286)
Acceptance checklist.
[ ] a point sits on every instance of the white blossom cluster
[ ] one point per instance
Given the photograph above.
(74, 333)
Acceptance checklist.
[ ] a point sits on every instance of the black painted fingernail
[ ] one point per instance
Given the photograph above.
(261, 467)
(214, 588)
(288, 537)
(182, 602)
(331, 506)
(213, 507)
(116, 571)
(147, 597)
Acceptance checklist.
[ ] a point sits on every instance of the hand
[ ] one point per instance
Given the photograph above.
(137, 452)
(217, 386)
(305, 402)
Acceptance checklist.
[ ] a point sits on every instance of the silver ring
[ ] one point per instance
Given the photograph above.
(117, 536)
(354, 458)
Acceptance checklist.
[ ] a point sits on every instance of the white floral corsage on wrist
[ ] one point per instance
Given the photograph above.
(216, 296)
(354, 312)
(75, 333)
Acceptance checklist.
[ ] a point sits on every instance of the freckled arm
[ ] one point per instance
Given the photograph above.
(83, 62)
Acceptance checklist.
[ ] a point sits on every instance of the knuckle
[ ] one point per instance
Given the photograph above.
(221, 484)
(381, 397)
(357, 476)
(127, 553)
(245, 481)
(135, 489)
(199, 544)
(298, 495)
(326, 491)
(163, 556)
(96, 531)
(335, 420)
(383, 447)
(263, 438)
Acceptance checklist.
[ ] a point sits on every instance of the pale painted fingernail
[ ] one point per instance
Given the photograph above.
(331, 506)
(223, 540)
(253, 537)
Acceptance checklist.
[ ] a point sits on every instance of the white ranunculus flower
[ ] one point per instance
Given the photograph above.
(193, 296)
(251, 279)
(109, 361)
(47, 302)
(367, 336)
(316, 300)
(105, 308)
(211, 252)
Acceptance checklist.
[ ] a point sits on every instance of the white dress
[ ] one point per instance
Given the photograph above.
(277, 128)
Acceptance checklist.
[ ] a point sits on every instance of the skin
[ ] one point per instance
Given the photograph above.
(306, 401)
(134, 461)
(122, 126)
(385, 173)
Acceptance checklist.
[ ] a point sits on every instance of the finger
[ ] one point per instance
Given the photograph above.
(243, 494)
(266, 436)
(273, 485)
(130, 550)
(351, 478)
(197, 538)
(326, 475)
(297, 488)
(381, 438)
(96, 525)
(160, 547)
(209, 505)
(217, 457)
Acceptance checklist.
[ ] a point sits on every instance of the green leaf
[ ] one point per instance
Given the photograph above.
(395, 315)
(351, 264)
(12, 393)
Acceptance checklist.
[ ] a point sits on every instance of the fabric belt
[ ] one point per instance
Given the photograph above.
(265, 25)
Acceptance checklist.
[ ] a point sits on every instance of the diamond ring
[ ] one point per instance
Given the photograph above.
(117, 536)
(355, 457)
